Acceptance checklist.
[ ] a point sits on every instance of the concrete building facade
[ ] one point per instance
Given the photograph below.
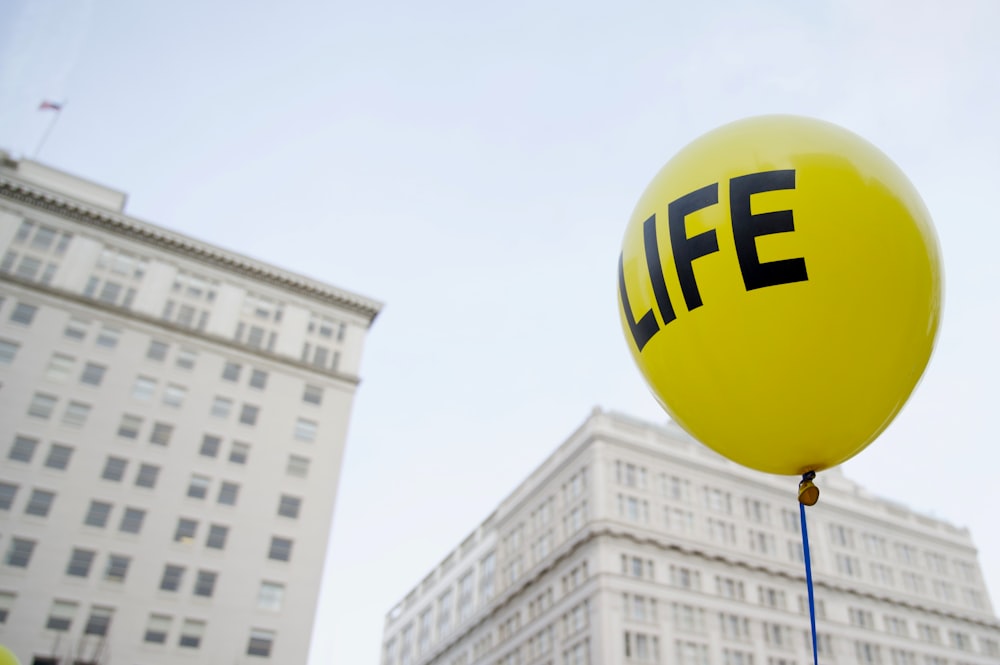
(632, 543)
(172, 421)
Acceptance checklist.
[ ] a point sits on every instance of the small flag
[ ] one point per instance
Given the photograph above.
(49, 106)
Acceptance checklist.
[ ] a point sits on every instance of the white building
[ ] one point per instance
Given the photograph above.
(172, 421)
(632, 543)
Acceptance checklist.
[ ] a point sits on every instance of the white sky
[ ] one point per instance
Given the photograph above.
(473, 166)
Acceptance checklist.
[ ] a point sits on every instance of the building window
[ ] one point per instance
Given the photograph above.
(209, 446)
(261, 643)
(174, 395)
(228, 493)
(108, 337)
(40, 503)
(271, 596)
(98, 513)
(157, 350)
(147, 476)
(23, 314)
(23, 449)
(298, 466)
(258, 379)
(221, 407)
(143, 388)
(7, 351)
(186, 358)
(161, 434)
(59, 456)
(248, 416)
(19, 552)
(172, 577)
(157, 628)
(60, 367)
(281, 549)
(191, 633)
(239, 452)
(231, 372)
(61, 616)
(130, 426)
(114, 469)
(444, 613)
(99, 621)
(289, 506)
(76, 329)
(305, 430)
(204, 584)
(7, 494)
(198, 487)
(76, 414)
(80, 562)
(312, 395)
(93, 374)
(117, 568)
(868, 653)
(42, 406)
(217, 535)
(6, 604)
(185, 531)
(132, 520)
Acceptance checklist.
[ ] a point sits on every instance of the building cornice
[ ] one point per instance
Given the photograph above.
(349, 380)
(184, 246)
(598, 532)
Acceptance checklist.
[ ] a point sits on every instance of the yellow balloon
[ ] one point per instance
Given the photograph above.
(780, 289)
(7, 656)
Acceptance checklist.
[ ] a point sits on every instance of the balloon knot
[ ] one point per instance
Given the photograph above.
(808, 492)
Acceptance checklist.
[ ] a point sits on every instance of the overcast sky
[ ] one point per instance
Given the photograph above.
(473, 166)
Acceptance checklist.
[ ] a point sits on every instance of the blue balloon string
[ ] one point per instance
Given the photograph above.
(809, 581)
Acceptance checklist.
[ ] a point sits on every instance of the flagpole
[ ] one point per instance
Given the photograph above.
(52, 123)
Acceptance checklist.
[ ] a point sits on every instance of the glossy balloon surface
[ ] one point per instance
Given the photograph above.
(780, 290)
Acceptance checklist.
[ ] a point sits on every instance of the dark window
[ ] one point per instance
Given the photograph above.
(93, 374)
(59, 456)
(313, 395)
(186, 530)
(248, 416)
(97, 514)
(40, 503)
(258, 379)
(132, 520)
(210, 445)
(7, 494)
(23, 449)
(228, 493)
(98, 621)
(217, 535)
(19, 552)
(204, 585)
(129, 427)
(281, 549)
(289, 506)
(157, 350)
(80, 562)
(114, 469)
(239, 452)
(231, 372)
(198, 487)
(147, 475)
(172, 577)
(161, 434)
(23, 314)
(117, 568)
(260, 643)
